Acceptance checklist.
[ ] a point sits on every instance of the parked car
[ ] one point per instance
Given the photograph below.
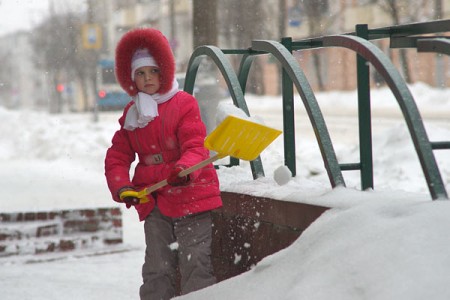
(110, 95)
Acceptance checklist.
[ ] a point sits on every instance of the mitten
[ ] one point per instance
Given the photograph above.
(174, 180)
(128, 195)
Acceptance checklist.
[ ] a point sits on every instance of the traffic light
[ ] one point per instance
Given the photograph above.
(60, 87)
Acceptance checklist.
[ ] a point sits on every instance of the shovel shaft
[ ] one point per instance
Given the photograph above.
(200, 165)
(156, 186)
(185, 172)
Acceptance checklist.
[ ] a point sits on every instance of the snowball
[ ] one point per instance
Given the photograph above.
(282, 175)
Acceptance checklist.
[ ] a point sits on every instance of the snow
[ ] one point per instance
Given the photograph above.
(379, 249)
(389, 243)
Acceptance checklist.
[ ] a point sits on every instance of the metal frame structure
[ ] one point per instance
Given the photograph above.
(417, 35)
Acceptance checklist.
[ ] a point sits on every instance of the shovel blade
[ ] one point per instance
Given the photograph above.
(240, 138)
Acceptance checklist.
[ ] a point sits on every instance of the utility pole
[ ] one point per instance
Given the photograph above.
(205, 33)
(173, 27)
(282, 18)
(205, 22)
(93, 56)
(438, 9)
(55, 103)
(440, 66)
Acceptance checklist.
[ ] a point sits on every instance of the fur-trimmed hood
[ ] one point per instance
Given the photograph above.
(159, 48)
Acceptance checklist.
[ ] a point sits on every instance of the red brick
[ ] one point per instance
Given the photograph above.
(117, 222)
(4, 236)
(30, 216)
(66, 245)
(5, 217)
(52, 215)
(89, 213)
(18, 217)
(51, 247)
(73, 221)
(47, 230)
(103, 211)
(113, 241)
(42, 216)
(89, 226)
(116, 211)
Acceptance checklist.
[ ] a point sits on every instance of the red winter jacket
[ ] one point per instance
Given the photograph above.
(178, 135)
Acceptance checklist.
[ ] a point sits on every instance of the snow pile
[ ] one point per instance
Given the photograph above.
(377, 249)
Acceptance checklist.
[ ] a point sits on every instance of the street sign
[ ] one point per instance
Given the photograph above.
(91, 35)
(295, 16)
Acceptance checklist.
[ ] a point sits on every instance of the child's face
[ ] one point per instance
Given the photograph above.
(147, 79)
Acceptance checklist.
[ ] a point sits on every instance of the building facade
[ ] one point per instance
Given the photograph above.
(326, 69)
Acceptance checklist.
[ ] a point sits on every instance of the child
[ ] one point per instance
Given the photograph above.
(162, 125)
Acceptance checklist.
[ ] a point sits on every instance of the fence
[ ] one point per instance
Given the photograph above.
(421, 36)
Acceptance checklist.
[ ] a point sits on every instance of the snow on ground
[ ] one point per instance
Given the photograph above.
(391, 243)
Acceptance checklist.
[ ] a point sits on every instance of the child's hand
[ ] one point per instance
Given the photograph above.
(174, 179)
(127, 196)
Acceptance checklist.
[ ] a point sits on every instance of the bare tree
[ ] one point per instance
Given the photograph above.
(244, 21)
(5, 78)
(403, 11)
(83, 62)
(282, 16)
(320, 20)
(51, 49)
(205, 22)
(393, 9)
(57, 47)
(438, 9)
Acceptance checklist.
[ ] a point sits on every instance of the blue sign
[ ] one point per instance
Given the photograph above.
(295, 16)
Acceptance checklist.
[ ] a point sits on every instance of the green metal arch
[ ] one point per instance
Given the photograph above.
(233, 85)
(406, 102)
(244, 69)
(297, 76)
(438, 45)
(288, 104)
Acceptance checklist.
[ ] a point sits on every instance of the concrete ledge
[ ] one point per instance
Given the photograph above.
(248, 228)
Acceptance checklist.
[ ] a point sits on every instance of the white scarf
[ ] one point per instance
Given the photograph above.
(145, 107)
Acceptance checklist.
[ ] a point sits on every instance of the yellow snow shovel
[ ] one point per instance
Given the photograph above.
(235, 137)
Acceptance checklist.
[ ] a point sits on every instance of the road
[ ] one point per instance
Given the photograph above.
(343, 125)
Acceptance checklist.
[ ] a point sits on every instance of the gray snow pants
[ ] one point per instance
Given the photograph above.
(181, 242)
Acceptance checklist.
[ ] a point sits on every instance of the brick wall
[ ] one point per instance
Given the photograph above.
(248, 228)
(59, 231)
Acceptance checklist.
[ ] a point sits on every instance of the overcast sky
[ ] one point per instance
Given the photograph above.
(26, 14)
(19, 14)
